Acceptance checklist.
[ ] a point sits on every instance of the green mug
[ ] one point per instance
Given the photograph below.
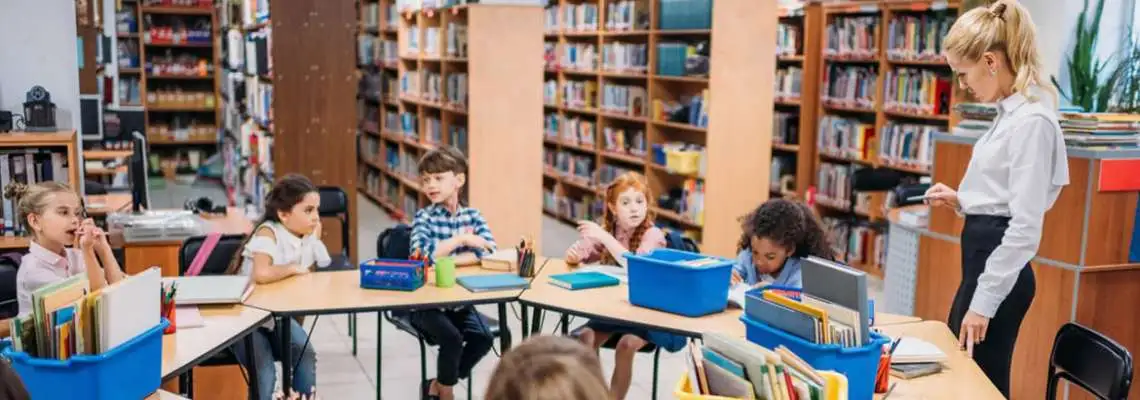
(444, 272)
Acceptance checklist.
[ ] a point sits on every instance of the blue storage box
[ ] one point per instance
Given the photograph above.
(388, 274)
(685, 14)
(656, 280)
(131, 371)
(659, 155)
(858, 364)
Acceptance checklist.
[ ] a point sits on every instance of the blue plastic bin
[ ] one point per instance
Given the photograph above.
(657, 281)
(391, 274)
(858, 364)
(131, 371)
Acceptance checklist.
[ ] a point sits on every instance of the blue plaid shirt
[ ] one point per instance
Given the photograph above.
(434, 223)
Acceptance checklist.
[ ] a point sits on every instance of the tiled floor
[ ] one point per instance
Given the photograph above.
(340, 375)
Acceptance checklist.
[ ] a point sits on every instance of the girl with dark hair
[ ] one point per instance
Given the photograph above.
(285, 242)
(774, 238)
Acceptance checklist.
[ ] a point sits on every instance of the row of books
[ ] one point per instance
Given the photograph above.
(627, 15)
(456, 40)
(917, 91)
(1101, 129)
(782, 175)
(625, 57)
(608, 172)
(847, 138)
(370, 14)
(573, 130)
(371, 50)
(259, 100)
(576, 56)
(732, 367)
(853, 37)
(849, 86)
(977, 118)
(865, 244)
(575, 166)
(788, 83)
(785, 128)
(585, 208)
(579, 94)
(789, 40)
(623, 141)
(692, 110)
(909, 145)
(834, 185)
(29, 166)
(688, 200)
(624, 99)
(682, 59)
(457, 89)
(579, 17)
(918, 37)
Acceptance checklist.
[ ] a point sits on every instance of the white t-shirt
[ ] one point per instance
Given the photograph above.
(285, 248)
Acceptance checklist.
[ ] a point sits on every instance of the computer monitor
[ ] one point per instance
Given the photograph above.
(140, 194)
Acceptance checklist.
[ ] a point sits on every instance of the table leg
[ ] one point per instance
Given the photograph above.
(565, 322)
(379, 345)
(251, 366)
(286, 356)
(186, 383)
(504, 329)
(536, 321)
(525, 321)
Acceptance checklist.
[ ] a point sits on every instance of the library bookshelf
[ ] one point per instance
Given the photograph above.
(612, 73)
(168, 54)
(461, 75)
(26, 143)
(903, 94)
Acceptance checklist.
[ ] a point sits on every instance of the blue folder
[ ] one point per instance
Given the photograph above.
(491, 283)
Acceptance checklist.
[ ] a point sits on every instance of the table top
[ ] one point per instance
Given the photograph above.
(613, 303)
(339, 292)
(164, 395)
(225, 325)
(961, 378)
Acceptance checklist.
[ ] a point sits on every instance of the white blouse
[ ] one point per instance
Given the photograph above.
(1017, 170)
(285, 248)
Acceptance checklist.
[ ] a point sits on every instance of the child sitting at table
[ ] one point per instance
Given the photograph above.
(627, 225)
(285, 242)
(52, 213)
(774, 238)
(446, 228)
(548, 367)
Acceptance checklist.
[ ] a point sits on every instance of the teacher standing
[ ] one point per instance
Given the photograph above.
(1016, 171)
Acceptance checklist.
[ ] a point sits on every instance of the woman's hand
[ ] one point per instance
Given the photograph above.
(942, 195)
(973, 331)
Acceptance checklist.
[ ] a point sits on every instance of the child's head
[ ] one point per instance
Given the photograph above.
(548, 367)
(50, 210)
(294, 203)
(779, 229)
(628, 202)
(443, 171)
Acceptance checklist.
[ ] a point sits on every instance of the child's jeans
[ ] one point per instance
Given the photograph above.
(450, 328)
(266, 350)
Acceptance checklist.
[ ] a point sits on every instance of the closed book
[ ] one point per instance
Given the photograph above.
(583, 280)
(793, 321)
(494, 282)
(720, 360)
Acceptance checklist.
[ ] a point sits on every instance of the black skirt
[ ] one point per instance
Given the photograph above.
(980, 236)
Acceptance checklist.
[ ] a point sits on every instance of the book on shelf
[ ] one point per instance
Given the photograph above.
(917, 91)
(624, 99)
(29, 166)
(457, 89)
(580, 18)
(413, 40)
(371, 15)
(366, 50)
(457, 137)
(623, 141)
(258, 52)
(918, 37)
(456, 40)
(579, 94)
(788, 40)
(910, 145)
(410, 84)
(578, 131)
(1100, 129)
(865, 244)
(853, 37)
(409, 125)
(550, 55)
(431, 86)
(625, 57)
(578, 56)
(785, 128)
(692, 110)
(788, 82)
(682, 59)
(849, 86)
(782, 174)
(550, 19)
(834, 185)
(431, 41)
(550, 92)
(847, 138)
(627, 15)
(433, 131)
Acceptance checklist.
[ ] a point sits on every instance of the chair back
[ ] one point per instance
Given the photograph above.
(395, 243)
(334, 204)
(224, 252)
(676, 241)
(1090, 360)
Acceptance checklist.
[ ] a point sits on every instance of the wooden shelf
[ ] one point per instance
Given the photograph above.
(14, 242)
(129, 70)
(33, 139)
(167, 142)
(929, 117)
(839, 108)
(178, 10)
(919, 63)
(181, 77)
(672, 216)
(786, 147)
(676, 125)
(186, 45)
(622, 117)
(851, 60)
(623, 157)
(106, 154)
(683, 32)
(788, 103)
(105, 171)
(180, 108)
(624, 75)
(639, 32)
(795, 58)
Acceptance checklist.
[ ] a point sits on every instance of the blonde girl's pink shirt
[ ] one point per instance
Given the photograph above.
(41, 267)
(591, 250)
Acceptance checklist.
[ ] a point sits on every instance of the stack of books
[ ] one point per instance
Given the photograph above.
(1101, 129)
(977, 118)
(736, 368)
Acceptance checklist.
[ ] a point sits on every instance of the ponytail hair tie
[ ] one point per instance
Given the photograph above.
(998, 10)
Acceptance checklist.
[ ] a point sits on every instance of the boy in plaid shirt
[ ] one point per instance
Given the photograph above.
(446, 228)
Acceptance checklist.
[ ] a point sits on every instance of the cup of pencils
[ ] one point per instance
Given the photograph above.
(883, 375)
(167, 309)
(525, 254)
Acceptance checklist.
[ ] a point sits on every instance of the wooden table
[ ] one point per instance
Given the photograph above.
(224, 326)
(339, 292)
(612, 303)
(961, 378)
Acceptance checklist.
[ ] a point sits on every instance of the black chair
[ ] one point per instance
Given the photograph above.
(9, 307)
(1092, 361)
(403, 322)
(334, 204)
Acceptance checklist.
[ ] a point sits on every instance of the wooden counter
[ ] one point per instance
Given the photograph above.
(164, 254)
(1084, 229)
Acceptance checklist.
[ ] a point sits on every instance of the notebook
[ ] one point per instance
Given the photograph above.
(914, 350)
(724, 362)
(724, 383)
(583, 280)
(494, 282)
(209, 289)
(129, 308)
(188, 317)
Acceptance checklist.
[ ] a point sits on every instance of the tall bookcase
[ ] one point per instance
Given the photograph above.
(168, 65)
(614, 71)
(456, 75)
(886, 90)
(247, 96)
(41, 157)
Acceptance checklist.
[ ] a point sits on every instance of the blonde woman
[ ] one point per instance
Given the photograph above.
(1015, 174)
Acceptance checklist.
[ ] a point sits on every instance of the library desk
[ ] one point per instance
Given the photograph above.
(339, 292)
(612, 303)
(141, 255)
(183, 350)
(961, 378)
(1078, 267)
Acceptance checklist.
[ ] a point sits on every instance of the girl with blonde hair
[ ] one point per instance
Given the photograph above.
(548, 367)
(1015, 174)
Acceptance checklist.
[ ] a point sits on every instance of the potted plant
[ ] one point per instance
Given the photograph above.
(1091, 80)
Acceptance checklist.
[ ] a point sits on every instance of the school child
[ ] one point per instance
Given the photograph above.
(548, 367)
(627, 225)
(774, 238)
(448, 228)
(285, 242)
(52, 213)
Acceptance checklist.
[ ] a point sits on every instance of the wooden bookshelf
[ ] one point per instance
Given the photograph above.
(19, 142)
(736, 140)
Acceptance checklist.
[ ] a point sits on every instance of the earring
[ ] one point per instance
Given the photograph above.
(993, 72)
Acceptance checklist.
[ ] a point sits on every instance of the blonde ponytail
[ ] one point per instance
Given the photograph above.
(1006, 27)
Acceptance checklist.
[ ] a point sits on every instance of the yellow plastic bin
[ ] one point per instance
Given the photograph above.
(684, 162)
(684, 391)
(836, 388)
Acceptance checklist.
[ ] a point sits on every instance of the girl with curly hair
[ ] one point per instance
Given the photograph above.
(774, 238)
